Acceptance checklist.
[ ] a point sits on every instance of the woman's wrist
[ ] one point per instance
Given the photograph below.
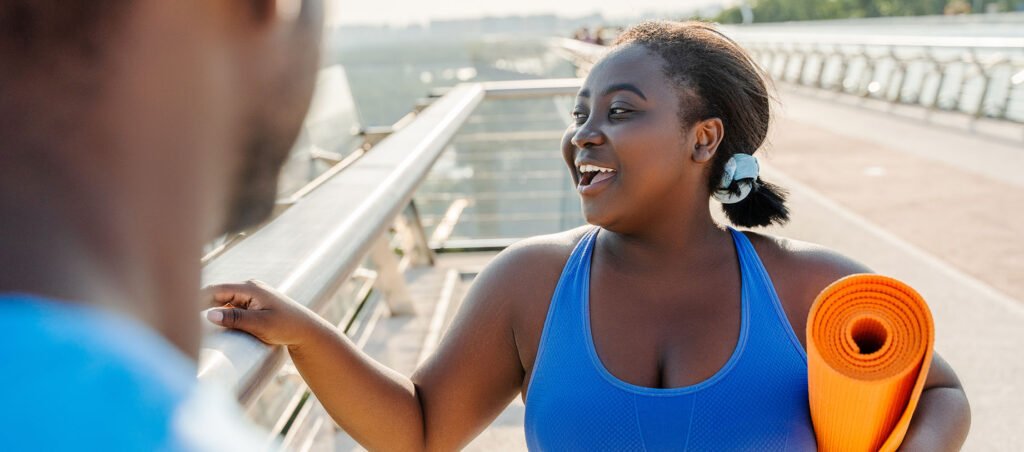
(319, 332)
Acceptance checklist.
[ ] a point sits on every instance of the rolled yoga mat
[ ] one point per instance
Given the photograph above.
(869, 347)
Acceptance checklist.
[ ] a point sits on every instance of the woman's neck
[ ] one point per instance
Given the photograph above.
(677, 238)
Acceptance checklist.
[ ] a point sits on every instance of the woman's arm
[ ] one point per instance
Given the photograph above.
(455, 394)
(943, 416)
(376, 405)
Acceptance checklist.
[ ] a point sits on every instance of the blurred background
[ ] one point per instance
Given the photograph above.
(899, 131)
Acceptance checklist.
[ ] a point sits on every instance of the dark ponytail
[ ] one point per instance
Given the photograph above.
(766, 204)
(717, 79)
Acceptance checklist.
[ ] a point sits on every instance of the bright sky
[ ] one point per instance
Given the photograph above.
(406, 11)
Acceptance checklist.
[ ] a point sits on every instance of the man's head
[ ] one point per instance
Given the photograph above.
(196, 102)
(134, 131)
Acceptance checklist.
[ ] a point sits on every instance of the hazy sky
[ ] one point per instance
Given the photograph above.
(405, 11)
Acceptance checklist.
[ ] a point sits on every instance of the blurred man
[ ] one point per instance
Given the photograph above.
(131, 133)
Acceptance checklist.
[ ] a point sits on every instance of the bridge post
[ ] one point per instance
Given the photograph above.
(389, 279)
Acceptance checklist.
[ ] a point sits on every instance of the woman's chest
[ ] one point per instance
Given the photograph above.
(662, 333)
(657, 333)
(648, 332)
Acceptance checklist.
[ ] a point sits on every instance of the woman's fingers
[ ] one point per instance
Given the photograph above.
(256, 308)
(252, 322)
(234, 318)
(241, 295)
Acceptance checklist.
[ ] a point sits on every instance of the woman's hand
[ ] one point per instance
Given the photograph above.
(260, 310)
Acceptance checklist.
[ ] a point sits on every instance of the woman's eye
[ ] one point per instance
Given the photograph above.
(579, 116)
(618, 111)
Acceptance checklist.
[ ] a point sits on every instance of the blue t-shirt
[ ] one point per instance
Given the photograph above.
(74, 377)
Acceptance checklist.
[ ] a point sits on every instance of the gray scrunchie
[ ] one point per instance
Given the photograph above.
(742, 169)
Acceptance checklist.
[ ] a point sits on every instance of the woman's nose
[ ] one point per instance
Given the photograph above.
(587, 134)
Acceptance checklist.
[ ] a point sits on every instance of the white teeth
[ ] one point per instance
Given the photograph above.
(593, 168)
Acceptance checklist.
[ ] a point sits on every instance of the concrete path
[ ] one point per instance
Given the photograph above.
(910, 200)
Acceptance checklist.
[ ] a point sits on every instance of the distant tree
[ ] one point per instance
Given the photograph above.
(957, 7)
(787, 10)
(729, 16)
(1010, 5)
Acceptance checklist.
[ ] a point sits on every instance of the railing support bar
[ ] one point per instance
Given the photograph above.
(423, 254)
(390, 280)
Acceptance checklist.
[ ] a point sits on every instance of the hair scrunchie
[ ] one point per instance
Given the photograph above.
(741, 169)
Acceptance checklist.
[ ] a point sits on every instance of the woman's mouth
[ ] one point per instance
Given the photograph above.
(593, 177)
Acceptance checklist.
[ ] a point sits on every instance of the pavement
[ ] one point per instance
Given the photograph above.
(935, 205)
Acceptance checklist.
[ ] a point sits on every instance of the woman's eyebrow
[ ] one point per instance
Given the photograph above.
(616, 87)
(625, 87)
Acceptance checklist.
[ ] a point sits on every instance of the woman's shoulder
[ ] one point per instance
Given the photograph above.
(550, 246)
(533, 263)
(801, 270)
(809, 257)
(520, 281)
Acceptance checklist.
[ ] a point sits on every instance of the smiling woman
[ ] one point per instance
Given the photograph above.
(654, 328)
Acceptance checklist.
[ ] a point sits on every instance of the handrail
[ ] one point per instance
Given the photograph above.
(941, 72)
(532, 88)
(312, 247)
(975, 76)
(815, 38)
(811, 36)
(1010, 17)
(339, 223)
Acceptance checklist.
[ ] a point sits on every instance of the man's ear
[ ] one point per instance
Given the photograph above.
(267, 11)
(708, 135)
(288, 10)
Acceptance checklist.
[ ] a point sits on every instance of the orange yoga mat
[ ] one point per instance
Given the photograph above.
(869, 346)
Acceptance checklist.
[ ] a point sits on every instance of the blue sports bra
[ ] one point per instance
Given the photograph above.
(757, 401)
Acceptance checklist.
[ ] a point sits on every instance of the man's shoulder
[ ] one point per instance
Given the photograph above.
(80, 375)
(89, 344)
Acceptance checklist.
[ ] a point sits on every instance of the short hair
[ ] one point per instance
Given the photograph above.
(50, 48)
(35, 31)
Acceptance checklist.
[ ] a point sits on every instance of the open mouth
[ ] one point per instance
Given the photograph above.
(593, 174)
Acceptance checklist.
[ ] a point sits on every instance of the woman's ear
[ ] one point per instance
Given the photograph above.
(708, 135)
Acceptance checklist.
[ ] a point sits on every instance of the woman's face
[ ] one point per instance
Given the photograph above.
(627, 151)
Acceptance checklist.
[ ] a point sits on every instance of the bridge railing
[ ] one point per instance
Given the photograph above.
(983, 77)
(340, 249)
(978, 76)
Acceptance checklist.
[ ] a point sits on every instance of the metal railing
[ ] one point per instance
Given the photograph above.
(581, 54)
(982, 77)
(315, 247)
(979, 76)
(333, 248)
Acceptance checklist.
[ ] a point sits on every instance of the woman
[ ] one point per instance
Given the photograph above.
(657, 329)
